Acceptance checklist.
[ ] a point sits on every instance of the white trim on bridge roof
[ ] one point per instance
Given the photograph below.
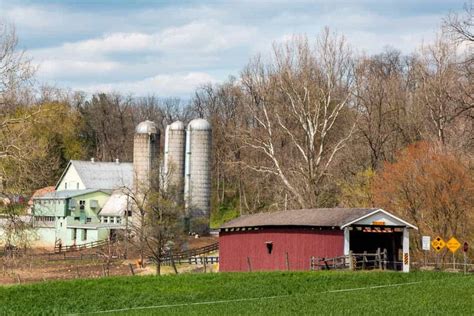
(378, 211)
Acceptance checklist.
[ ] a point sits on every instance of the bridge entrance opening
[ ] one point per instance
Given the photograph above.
(371, 238)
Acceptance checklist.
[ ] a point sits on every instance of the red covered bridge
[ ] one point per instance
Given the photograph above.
(274, 241)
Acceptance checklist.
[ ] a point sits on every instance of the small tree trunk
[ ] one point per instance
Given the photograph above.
(158, 266)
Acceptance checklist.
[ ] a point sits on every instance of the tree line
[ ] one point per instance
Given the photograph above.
(311, 125)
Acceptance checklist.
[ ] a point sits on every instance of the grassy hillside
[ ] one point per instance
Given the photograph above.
(250, 293)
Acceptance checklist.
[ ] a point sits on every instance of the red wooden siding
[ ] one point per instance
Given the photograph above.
(299, 243)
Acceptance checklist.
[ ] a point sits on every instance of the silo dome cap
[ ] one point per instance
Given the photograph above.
(177, 126)
(146, 127)
(199, 124)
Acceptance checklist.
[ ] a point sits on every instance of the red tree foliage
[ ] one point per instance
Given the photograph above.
(431, 188)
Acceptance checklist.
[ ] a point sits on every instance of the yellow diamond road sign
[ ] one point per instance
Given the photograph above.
(438, 243)
(453, 244)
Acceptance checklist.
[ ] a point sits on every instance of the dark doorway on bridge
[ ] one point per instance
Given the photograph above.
(369, 239)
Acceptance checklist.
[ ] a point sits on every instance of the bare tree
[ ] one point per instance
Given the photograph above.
(445, 91)
(16, 230)
(383, 97)
(297, 103)
(157, 223)
(460, 26)
(15, 68)
(15, 71)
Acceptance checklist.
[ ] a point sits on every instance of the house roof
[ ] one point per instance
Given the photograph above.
(40, 192)
(67, 194)
(318, 217)
(102, 175)
(115, 205)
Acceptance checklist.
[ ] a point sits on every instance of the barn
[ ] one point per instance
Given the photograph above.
(288, 239)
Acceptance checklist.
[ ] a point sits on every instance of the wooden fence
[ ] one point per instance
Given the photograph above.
(191, 256)
(192, 260)
(82, 256)
(353, 261)
(93, 244)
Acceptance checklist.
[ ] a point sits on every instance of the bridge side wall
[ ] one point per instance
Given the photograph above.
(237, 248)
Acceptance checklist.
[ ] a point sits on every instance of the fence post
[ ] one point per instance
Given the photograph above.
(351, 263)
(364, 258)
(131, 268)
(379, 258)
(385, 259)
(287, 262)
(465, 262)
(249, 264)
(311, 263)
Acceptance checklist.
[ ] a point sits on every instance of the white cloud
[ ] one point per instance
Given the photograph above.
(75, 68)
(192, 37)
(29, 16)
(168, 48)
(163, 85)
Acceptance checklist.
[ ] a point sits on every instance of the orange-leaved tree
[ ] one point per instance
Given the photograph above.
(430, 187)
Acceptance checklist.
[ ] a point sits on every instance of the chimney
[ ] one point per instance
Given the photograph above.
(92, 159)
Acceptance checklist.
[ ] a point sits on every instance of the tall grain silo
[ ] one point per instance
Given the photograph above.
(175, 138)
(146, 145)
(197, 188)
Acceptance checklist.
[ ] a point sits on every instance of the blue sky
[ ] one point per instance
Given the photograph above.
(168, 48)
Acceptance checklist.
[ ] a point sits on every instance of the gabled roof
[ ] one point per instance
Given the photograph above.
(116, 205)
(40, 192)
(318, 217)
(68, 194)
(102, 175)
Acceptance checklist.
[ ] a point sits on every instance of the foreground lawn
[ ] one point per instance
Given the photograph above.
(279, 293)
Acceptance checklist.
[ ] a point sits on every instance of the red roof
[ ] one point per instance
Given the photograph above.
(40, 192)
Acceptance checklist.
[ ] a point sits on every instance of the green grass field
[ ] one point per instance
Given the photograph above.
(273, 293)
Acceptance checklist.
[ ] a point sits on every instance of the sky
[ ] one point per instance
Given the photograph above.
(168, 48)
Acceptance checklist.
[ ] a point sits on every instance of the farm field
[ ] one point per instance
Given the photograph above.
(279, 293)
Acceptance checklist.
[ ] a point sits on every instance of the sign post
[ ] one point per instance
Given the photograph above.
(453, 245)
(438, 244)
(425, 245)
(465, 248)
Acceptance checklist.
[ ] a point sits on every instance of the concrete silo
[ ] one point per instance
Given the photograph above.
(146, 145)
(197, 188)
(175, 138)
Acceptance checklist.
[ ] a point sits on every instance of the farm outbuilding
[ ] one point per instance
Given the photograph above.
(289, 239)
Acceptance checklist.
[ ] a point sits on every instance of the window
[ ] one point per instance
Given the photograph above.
(106, 220)
(269, 246)
(72, 203)
(82, 204)
(112, 220)
(84, 234)
(45, 218)
(88, 220)
(129, 213)
(118, 220)
(94, 204)
(77, 218)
